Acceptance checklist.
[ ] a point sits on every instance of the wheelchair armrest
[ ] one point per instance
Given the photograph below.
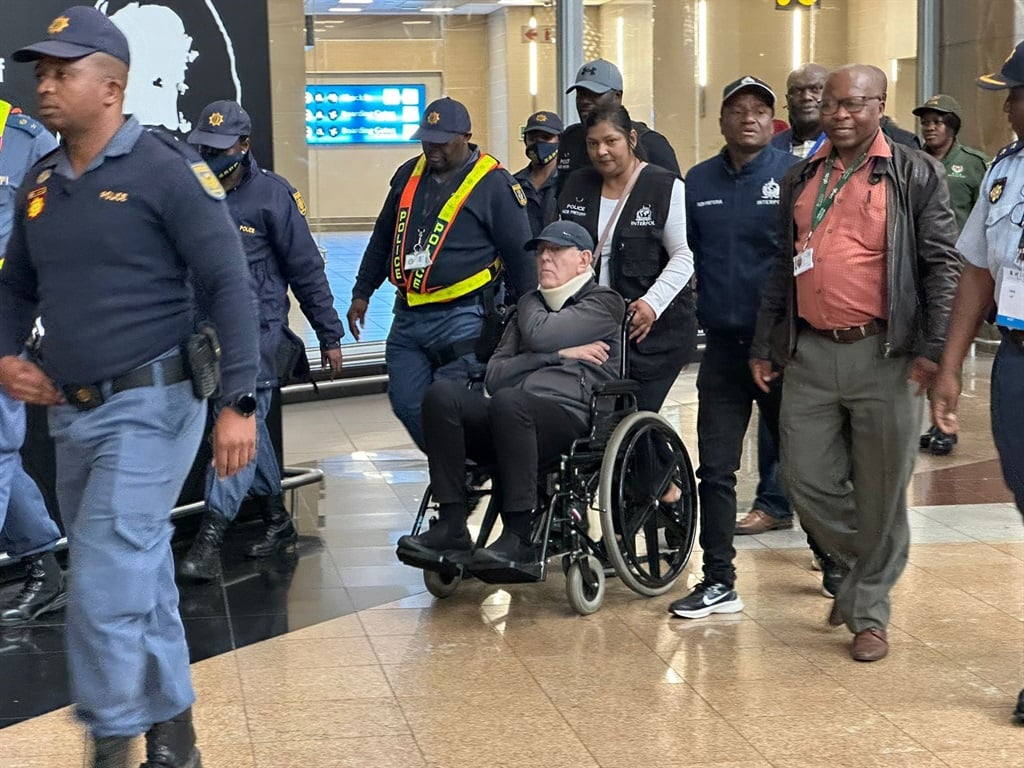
(617, 387)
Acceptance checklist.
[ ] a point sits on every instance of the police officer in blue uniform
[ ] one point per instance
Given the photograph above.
(107, 231)
(451, 232)
(538, 178)
(992, 243)
(28, 532)
(270, 215)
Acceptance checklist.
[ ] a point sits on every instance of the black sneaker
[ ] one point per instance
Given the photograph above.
(508, 549)
(440, 538)
(941, 443)
(1018, 713)
(706, 599)
(926, 439)
(832, 575)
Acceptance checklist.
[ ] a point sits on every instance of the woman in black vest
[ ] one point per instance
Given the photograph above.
(636, 213)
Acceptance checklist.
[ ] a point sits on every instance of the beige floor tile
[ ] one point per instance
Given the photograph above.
(217, 680)
(453, 621)
(53, 734)
(673, 762)
(274, 684)
(820, 737)
(453, 677)
(343, 626)
(808, 694)
(637, 738)
(912, 759)
(665, 702)
(316, 653)
(604, 637)
(220, 721)
(667, 635)
(1014, 549)
(227, 754)
(42, 761)
(712, 661)
(376, 751)
(965, 729)
(405, 649)
(310, 720)
(1009, 757)
(479, 712)
(515, 746)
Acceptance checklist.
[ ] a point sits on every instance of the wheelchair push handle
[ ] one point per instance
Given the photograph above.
(624, 340)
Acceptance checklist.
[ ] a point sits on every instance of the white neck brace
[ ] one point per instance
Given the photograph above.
(556, 297)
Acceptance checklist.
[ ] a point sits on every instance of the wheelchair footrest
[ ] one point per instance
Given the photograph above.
(507, 573)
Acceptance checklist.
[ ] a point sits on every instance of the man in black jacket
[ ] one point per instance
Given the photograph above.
(858, 303)
(598, 83)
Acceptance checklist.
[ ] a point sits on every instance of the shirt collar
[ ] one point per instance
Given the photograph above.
(120, 144)
(879, 148)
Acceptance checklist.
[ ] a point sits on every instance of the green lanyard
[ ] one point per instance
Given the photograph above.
(823, 203)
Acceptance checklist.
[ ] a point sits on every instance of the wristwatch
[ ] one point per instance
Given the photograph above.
(244, 404)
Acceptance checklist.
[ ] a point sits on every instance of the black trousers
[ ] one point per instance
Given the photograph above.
(513, 430)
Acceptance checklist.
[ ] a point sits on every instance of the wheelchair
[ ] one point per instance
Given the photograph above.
(621, 468)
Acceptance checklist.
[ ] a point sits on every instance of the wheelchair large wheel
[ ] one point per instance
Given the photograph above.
(648, 541)
(442, 584)
(584, 585)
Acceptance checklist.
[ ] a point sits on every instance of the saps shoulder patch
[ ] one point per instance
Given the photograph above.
(517, 190)
(207, 180)
(299, 202)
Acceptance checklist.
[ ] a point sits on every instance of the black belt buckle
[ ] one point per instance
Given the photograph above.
(84, 397)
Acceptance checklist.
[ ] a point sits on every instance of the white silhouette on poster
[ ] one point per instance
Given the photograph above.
(162, 54)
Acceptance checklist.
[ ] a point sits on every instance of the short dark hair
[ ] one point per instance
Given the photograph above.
(952, 120)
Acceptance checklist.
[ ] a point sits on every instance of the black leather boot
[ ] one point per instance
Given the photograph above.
(111, 752)
(280, 533)
(202, 563)
(172, 744)
(42, 592)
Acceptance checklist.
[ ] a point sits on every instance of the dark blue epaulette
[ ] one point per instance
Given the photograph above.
(1007, 151)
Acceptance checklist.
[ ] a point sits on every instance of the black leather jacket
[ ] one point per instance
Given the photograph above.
(923, 265)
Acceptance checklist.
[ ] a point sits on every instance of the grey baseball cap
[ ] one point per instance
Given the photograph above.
(597, 76)
(565, 233)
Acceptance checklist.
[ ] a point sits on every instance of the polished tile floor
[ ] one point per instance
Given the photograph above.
(361, 667)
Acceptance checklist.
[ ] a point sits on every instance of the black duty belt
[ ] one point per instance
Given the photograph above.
(1014, 336)
(88, 396)
(849, 335)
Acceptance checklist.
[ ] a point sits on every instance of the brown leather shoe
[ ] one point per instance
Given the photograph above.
(869, 644)
(758, 521)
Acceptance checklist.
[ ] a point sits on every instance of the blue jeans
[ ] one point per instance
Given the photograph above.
(410, 370)
(1008, 417)
(770, 497)
(262, 475)
(27, 528)
(120, 469)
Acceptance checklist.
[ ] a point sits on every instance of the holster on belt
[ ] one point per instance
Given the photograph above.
(202, 356)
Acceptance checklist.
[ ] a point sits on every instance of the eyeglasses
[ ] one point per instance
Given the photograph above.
(853, 105)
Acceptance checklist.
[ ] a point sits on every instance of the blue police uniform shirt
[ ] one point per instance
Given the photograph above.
(492, 222)
(270, 216)
(23, 142)
(105, 258)
(990, 237)
(732, 220)
(540, 203)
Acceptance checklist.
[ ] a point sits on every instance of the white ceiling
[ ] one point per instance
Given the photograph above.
(323, 7)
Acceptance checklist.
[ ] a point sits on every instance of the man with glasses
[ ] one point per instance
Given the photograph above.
(992, 243)
(857, 305)
(804, 87)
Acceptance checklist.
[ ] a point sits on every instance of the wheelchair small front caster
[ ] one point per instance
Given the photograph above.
(442, 583)
(584, 585)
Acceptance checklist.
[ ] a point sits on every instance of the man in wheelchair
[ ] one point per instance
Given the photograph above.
(563, 338)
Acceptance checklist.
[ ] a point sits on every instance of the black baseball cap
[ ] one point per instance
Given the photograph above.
(548, 122)
(1010, 76)
(752, 84)
(442, 121)
(564, 233)
(221, 124)
(78, 32)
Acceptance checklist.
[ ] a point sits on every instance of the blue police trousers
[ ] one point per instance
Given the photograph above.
(120, 470)
(262, 475)
(26, 528)
(1008, 416)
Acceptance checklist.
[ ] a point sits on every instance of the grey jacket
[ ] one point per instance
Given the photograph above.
(527, 356)
(923, 265)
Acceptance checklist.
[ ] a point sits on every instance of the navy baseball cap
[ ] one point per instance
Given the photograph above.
(78, 32)
(564, 233)
(752, 84)
(597, 76)
(1010, 76)
(221, 124)
(548, 122)
(442, 121)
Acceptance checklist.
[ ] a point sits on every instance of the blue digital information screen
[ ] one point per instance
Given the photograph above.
(363, 114)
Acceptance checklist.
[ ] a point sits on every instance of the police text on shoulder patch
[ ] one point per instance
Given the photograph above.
(211, 186)
(299, 202)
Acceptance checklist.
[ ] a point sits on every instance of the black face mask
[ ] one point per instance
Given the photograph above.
(542, 152)
(224, 165)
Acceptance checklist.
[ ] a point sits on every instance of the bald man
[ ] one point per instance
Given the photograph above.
(804, 87)
(857, 307)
